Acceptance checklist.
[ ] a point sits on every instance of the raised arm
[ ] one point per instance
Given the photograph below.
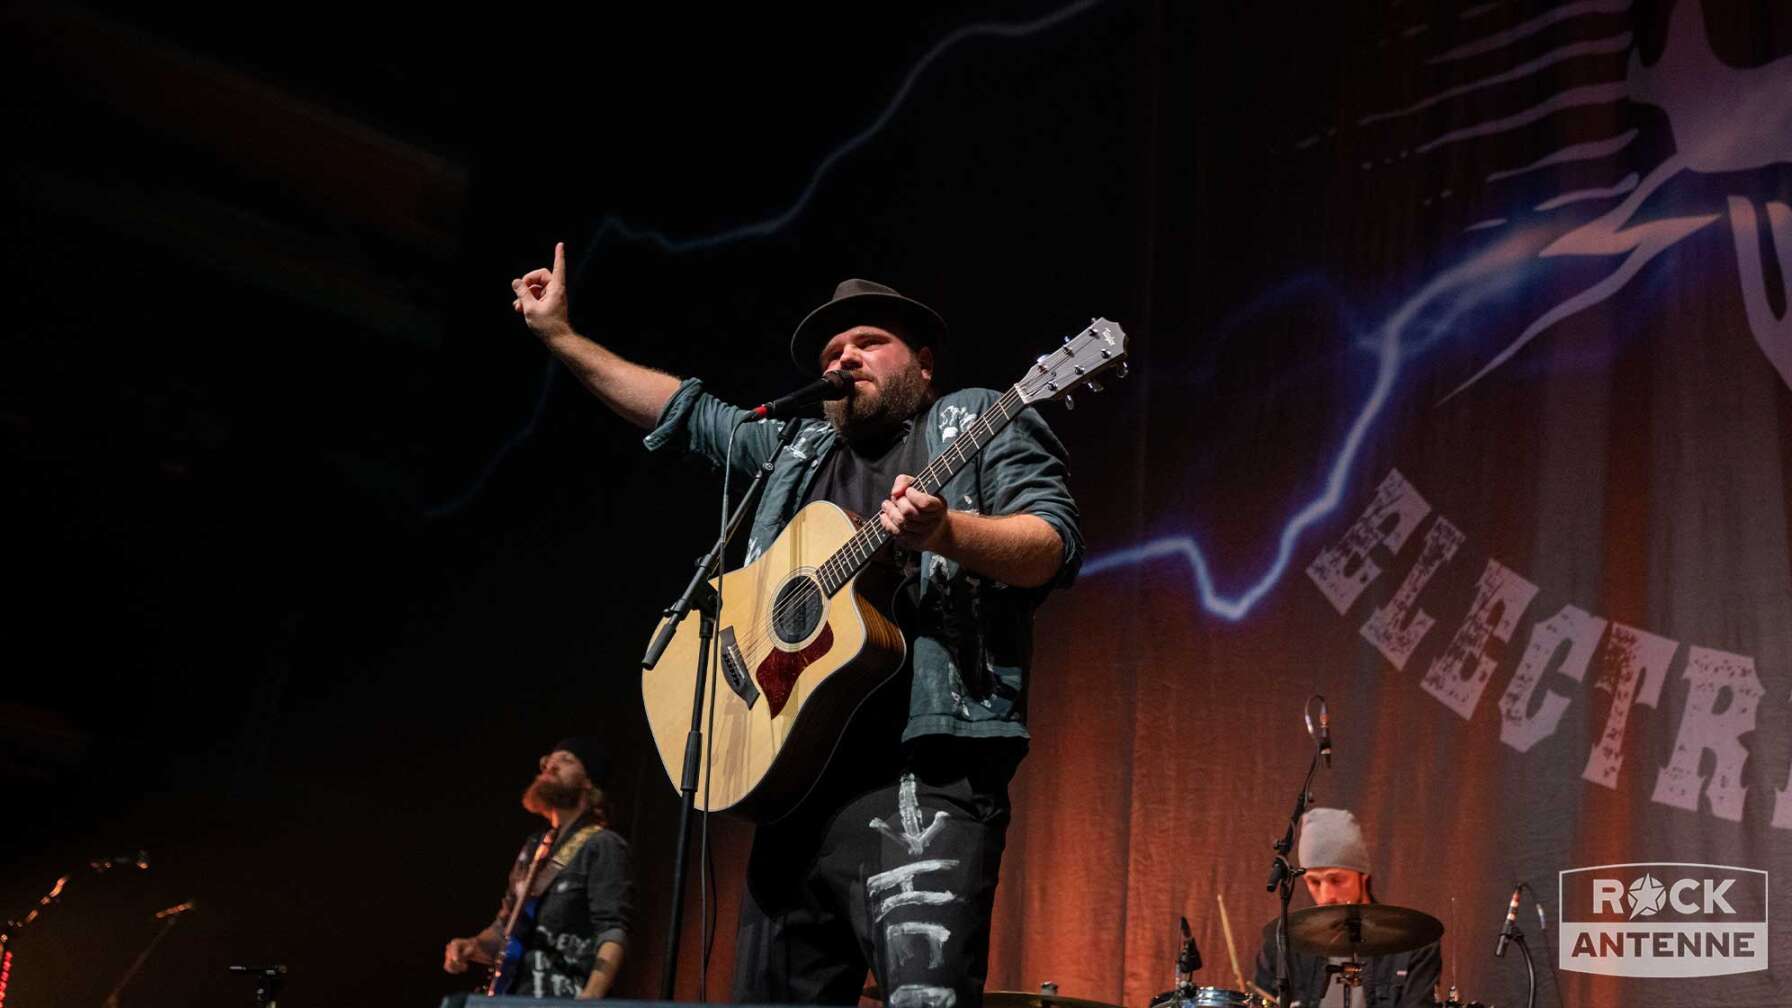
(637, 394)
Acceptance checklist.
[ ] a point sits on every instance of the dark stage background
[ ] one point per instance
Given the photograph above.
(1462, 388)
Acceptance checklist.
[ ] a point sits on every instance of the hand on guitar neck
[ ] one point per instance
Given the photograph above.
(1020, 549)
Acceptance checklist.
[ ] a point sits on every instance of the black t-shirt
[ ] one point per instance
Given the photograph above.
(858, 477)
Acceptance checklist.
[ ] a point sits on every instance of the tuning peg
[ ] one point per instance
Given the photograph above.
(1124, 370)
(1068, 338)
(1070, 402)
(1094, 386)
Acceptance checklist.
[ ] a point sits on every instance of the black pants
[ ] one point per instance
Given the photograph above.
(891, 868)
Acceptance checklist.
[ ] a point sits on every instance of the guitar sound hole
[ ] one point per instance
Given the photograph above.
(797, 610)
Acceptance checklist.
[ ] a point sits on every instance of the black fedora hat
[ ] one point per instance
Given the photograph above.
(861, 302)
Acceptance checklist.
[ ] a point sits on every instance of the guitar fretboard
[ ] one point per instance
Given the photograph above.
(849, 559)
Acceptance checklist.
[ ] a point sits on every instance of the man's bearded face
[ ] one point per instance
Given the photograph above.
(891, 381)
(560, 784)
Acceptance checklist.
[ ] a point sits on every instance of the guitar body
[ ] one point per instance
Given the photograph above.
(503, 975)
(796, 663)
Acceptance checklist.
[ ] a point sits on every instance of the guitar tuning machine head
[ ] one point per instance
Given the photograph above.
(1094, 386)
(1070, 402)
(1123, 370)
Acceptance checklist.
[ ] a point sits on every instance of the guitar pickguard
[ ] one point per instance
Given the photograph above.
(777, 673)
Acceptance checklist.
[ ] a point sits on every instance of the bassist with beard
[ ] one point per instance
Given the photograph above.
(576, 916)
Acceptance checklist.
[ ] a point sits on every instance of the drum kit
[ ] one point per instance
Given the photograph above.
(1348, 932)
(1344, 933)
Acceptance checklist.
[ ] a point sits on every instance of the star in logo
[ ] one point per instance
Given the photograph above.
(1646, 897)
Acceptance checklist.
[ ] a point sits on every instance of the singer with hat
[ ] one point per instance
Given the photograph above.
(891, 862)
(1338, 872)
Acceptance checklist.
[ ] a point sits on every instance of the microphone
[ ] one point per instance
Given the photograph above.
(1542, 918)
(1189, 959)
(1277, 872)
(831, 385)
(1499, 950)
(1325, 733)
(139, 860)
(177, 909)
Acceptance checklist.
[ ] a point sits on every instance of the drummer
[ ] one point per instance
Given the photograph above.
(1337, 863)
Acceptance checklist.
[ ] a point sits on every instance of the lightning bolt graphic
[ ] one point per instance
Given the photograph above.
(616, 229)
(1451, 292)
(1615, 233)
(1603, 236)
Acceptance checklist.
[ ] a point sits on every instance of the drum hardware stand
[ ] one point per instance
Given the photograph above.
(1281, 873)
(1350, 974)
(700, 596)
(267, 983)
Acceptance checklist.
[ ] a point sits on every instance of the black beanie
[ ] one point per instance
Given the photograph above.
(591, 751)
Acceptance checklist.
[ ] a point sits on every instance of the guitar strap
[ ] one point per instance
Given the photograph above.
(540, 880)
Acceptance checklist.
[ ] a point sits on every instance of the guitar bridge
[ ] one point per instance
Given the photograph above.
(734, 670)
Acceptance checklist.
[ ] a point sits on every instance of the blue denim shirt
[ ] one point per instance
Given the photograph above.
(974, 642)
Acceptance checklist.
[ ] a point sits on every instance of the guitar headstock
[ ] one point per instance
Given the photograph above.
(1099, 347)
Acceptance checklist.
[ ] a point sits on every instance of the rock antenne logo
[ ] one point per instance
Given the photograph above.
(1663, 919)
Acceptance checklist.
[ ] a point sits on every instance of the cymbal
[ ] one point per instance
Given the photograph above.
(1362, 929)
(1015, 999)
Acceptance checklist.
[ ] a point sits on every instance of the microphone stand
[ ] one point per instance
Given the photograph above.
(700, 596)
(10, 929)
(1281, 881)
(1515, 933)
(111, 999)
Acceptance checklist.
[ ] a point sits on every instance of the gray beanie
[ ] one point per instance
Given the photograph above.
(1331, 838)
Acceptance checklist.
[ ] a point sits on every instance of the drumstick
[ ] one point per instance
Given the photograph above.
(1231, 949)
